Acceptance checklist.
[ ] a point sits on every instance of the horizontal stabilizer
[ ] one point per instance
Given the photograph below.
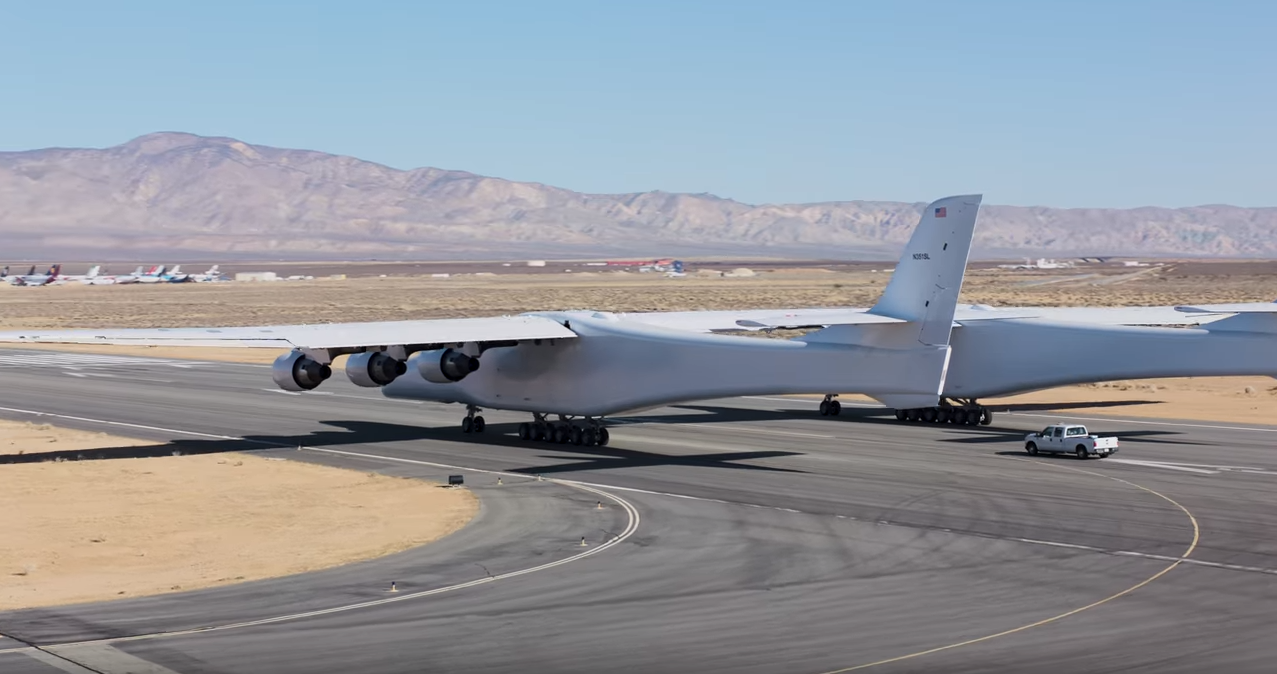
(794, 322)
(1240, 308)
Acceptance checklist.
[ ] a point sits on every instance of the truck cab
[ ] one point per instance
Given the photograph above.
(1069, 439)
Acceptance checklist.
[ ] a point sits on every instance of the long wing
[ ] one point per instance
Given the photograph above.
(322, 336)
(759, 319)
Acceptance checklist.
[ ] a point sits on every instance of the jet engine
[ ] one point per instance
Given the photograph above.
(295, 371)
(373, 369)
(444, 366)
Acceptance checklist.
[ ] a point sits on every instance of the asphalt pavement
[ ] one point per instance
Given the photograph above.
(745, 535)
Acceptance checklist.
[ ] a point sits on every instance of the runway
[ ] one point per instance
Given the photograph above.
(749, 535)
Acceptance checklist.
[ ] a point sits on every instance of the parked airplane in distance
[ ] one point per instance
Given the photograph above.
(32, 279)
(212, 275)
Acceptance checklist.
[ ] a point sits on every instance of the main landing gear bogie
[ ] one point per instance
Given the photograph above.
(964, 414)
(473, 421)
(588, 432)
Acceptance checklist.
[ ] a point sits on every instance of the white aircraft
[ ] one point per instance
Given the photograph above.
(175, 275)
(212, 275)
(915, 350)
(153, 275)
(32, 279)
(583, 365)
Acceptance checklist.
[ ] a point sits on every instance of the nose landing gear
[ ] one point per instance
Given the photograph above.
(473, 422)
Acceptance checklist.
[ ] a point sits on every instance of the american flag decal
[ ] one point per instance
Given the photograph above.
(940, 212)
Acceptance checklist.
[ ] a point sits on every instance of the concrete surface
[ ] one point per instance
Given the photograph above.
(767, 539)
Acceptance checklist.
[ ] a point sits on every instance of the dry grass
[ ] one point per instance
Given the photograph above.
(80, 531)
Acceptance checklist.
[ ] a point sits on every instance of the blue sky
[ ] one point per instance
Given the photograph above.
(1074, 104)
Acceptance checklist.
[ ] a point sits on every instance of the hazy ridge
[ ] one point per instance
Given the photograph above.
(199, 196)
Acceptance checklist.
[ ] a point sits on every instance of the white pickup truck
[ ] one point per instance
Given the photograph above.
(1069, 439)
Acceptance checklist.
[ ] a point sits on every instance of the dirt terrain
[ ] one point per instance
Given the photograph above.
(93, 530)
(411, 294)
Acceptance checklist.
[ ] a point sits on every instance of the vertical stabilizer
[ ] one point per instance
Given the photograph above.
(925, 284)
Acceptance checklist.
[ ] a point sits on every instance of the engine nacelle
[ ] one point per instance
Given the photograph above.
(444, 366)
(295, 371)
(373, 369)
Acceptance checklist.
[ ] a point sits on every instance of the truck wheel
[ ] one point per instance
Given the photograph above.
(1081, 452)
(1031, 448)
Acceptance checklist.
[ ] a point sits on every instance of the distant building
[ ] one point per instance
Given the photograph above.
(256, 276)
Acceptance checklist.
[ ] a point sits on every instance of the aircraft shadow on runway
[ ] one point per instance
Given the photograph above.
(716, 414)
(1057, 407)
(995, 435)
(345, 433)
(613, 458)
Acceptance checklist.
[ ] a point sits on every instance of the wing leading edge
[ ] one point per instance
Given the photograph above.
(321, 336)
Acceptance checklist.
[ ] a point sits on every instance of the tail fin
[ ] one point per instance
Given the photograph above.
(925, 284)
(93, 271)
(138, 271)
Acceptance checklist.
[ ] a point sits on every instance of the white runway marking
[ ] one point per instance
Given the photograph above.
(54, 661)
(1158, 464)
(104, 659)
(82, 360)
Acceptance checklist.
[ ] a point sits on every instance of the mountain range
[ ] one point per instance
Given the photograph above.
(183, 196)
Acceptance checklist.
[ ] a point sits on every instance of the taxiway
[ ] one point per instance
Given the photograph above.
(748, 535)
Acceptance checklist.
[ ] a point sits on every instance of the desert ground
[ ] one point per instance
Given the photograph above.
(394, 291)
(92, 530)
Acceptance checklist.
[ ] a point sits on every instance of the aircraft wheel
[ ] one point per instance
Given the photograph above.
(824, 408)
(578, 435)
(912, 415)
(540, 432)
(525, 431)
(986, 417)
(900, 415)
(973, 418)
(944, 415)
(603, 437)
(930, 415)
(467, 425)
(591, 437)
(835, 408)
(959, 416)
(478, 424)
(561, 434)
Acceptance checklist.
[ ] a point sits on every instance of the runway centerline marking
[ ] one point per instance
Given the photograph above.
(969, 642)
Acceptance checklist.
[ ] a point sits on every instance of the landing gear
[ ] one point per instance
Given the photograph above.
(473, 422)
(830, 407)
(958, 412)
(587, 432)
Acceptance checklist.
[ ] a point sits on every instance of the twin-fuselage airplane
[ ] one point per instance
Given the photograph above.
(916, 350)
